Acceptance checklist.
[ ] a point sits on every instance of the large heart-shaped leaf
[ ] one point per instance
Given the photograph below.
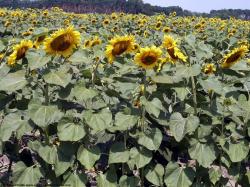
(177, 176)
(13, 81)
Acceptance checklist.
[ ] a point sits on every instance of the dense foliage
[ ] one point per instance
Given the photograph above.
(129, 6)
(123, 99)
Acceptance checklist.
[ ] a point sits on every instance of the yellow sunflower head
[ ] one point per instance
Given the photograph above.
(62, 42)
(119, 45)
(39, 40)
(148, 57)
(95, 41)
(209, 68)
(176, 54)
(234, 56)
(169, 42)
(19, 51)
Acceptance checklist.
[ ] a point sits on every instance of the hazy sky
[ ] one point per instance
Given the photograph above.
(203, 5)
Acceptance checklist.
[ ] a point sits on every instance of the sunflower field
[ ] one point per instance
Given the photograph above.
(123, 100)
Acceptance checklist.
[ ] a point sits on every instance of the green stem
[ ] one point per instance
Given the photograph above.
(194, 95)
(93, 78)
(46, 94)
(143, 107)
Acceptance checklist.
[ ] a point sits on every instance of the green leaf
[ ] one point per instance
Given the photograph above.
(237, 151)
(204, 153)
(151, 139)
(11, 123)
(177, 176)
(155, 174)
(80, 57)
(88, 156)
(4, 69)
(139, 157)
(83, 94)
(166, 79)
(124, 122)
(26, 176)
(152, 107)
(181, 92)
(98, 121)
(177, 126)
(60, 78)
(212, 84)
(126, 181)
(69, 131)
(37, 59)
(1, 147)
(214, 175)
(13, 81)
(76, 179)
(65, 157)
(48, 153)
(108, 179)
(186, 72)
(44, 115)
(118, 153)
(180, 126)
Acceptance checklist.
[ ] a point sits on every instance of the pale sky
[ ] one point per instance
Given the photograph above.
(202, 5)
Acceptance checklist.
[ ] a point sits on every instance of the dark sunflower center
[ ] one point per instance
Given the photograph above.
(21, 53)
(41, 38)
(234, 57)
(149, 59)
(61, 43)
(171, 53)
(120, 47)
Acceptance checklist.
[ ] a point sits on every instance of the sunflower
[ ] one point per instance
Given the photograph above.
(166, 29)
(39, 41)
(148, 57)
(86, 44)
(118, 46)
(234, 56)
(95, 41)
(62, 42)
(174, 52)
(209, 68)
(106, 22)
(19, 51)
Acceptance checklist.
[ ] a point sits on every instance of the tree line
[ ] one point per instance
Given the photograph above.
(128, 6)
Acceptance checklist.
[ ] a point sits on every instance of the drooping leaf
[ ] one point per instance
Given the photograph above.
(176, 176)
(124, 122)
(98, 121)
(139, 157)
(237, 151)
(155, 174)
(69, 131)
(118, 153)
(214, 175)
(13, 81)
(26, 176)
(88, 156)
(180, 126)
(151, 139)
(107, 179)
(76, 179)
(60, 78)
(126, 181)
(204, 153)
(152, 107)
(37, 59)
(44, 115)
(11, 123)
(48, 153)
